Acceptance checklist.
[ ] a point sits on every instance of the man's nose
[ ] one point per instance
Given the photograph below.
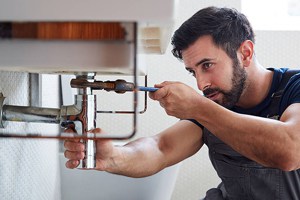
(203, 84)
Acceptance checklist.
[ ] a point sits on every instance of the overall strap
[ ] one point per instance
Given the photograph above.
(276, 96)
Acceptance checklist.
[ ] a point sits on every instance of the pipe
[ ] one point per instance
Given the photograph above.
(87, 101)
(83, 111)
(31, 114)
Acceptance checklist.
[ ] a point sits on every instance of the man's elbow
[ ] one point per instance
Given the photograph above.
(288, 162)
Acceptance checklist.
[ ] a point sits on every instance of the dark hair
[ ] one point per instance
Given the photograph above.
(228, 28)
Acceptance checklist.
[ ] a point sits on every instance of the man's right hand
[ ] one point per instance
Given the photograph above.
(75, 151)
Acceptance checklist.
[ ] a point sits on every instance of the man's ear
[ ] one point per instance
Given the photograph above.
(247, 50)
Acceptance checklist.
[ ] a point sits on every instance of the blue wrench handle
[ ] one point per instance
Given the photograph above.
(148, 89)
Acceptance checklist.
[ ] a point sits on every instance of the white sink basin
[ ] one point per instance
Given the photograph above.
(95, 185)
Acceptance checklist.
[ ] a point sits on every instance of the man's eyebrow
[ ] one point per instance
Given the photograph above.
(200, 62)
(203, 61)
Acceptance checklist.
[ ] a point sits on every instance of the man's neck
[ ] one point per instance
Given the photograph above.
(257, 87)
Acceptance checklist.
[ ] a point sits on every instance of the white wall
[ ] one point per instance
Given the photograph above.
(278, 48)
(28, 168)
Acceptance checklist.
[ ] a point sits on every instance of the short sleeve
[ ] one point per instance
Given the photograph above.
(197, 123)
(291, 93)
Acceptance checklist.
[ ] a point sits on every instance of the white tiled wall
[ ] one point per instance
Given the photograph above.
(278, 48)
(29, 168)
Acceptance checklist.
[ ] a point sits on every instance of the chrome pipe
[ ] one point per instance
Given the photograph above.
(83, 111)
(31, 114)
(87, 101)
(87, 117)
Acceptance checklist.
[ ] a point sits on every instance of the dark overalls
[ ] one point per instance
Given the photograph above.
(244, 179)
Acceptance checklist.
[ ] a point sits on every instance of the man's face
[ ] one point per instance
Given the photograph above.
(220, 78)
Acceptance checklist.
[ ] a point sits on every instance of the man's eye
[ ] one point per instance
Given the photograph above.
(191, 72)
(206, 65)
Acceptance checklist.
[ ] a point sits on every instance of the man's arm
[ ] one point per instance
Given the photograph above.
(272, 143)
(144, 156)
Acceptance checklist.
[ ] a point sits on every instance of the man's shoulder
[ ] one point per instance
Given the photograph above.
(291, 83)
(286, 75)
(292, 76)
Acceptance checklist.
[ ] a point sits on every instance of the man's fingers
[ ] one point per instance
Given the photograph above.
(163, 84)
(74, 146)
(74, 155)
(163, 91)
(96, 131)
(71, 164)
(159, 94)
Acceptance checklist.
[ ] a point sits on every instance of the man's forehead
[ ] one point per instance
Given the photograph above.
(195, 57)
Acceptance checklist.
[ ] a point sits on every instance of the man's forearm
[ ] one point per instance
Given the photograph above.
(147, 156)
(138, 158)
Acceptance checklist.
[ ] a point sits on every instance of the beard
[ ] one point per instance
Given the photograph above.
(231, 97)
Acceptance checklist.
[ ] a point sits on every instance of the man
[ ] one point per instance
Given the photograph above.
(249, 116)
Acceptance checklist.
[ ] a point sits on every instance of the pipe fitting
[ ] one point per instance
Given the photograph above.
(2, 103)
